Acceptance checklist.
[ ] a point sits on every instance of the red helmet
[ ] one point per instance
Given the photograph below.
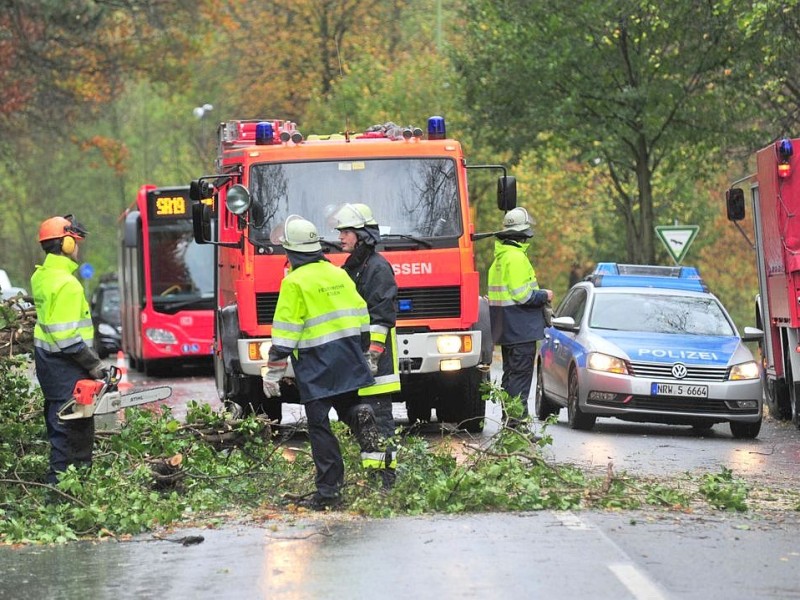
(57, 227)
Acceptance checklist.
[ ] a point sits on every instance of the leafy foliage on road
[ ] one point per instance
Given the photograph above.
(157, 472)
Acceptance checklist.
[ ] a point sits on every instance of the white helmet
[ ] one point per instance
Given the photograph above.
(300, 235)
(353, 216)
(518, 219)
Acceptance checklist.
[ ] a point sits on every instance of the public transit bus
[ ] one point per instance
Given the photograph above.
(166, 282)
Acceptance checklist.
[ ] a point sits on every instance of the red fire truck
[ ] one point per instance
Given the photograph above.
(774, 192)
(416, 186)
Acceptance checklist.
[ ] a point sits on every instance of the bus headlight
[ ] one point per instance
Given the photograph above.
(160, 336)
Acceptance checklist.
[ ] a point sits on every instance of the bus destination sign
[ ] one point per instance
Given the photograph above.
(168, 207)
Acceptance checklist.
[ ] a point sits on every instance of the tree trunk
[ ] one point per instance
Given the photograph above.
(646, 249)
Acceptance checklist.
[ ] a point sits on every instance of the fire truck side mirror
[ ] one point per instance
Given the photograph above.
(734, 200)
(200, 189)
(194, 190)
(201, 222)
(506, 193)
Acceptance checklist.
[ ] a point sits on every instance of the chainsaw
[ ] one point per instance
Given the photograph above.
(101, 396)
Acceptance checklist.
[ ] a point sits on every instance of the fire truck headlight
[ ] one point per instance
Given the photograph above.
(748, 370)
(238, 199)
(453, 344)
(160, 336)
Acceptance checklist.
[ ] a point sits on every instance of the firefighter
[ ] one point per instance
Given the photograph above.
(63, 336)
(516, 306)
(319, 320)
(369, 413)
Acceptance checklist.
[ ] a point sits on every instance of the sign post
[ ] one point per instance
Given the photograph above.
(677, 239)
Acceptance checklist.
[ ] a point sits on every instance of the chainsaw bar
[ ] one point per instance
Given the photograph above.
(111, 402)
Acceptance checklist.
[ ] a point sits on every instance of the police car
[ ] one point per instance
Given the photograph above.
(648, 344)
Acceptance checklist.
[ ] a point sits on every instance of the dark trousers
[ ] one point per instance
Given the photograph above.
(71, 442)
(518, 371)
(369, 418)
(324, 448)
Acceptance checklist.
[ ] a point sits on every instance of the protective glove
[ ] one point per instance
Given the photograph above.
(271, 376)
(88, 359)
(373, 355)
(98, 373)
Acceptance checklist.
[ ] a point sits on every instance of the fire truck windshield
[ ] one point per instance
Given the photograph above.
(179, 267)
(416, 197)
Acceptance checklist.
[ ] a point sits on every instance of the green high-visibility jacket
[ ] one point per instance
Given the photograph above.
(515, 300)
(319, 320)
(63, 318)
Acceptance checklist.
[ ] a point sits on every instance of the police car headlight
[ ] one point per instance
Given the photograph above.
(597, 361)
(748, 370)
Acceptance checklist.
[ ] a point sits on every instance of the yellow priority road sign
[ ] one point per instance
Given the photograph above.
(677, 239)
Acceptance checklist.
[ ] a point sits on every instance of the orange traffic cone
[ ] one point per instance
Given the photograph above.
(122, 364)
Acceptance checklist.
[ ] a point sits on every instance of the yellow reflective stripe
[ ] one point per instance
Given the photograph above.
(336, 314)
(66, 326)
(287, 326)
(384, 384)
(328, 337)
(55, 343)
(377, 460)
(283, 341)
(379, 329)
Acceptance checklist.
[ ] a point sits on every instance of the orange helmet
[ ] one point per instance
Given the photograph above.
(57, 227)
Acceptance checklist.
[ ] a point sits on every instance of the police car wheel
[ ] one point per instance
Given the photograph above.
(542, 406)
(745, 430)
(577, 419)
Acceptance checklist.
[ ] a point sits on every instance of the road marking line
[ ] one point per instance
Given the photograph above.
(637, 582)
(573, 522)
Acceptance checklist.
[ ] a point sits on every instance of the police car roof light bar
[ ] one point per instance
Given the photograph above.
(655, 276)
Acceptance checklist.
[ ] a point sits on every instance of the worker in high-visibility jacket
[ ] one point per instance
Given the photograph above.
(62, 340)
(369, 413)
(319, 321)
(516, 307)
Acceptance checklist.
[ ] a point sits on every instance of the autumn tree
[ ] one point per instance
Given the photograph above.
(641, 89)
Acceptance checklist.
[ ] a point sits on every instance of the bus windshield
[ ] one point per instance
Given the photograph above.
(410, 197)
(181, 270)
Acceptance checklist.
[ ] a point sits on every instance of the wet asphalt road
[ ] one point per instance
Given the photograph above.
(548, 554)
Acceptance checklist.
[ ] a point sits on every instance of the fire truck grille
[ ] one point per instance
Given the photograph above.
(265, 307)
(413, 303)
(428, 303)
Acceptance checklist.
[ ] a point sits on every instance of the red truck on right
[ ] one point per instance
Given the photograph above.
(774, 195)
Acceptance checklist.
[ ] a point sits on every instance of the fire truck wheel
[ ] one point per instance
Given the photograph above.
(461, 400)
(419, 411)
(273, 408)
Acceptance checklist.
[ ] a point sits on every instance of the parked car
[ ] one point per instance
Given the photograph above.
(648, 344)
(106, 317)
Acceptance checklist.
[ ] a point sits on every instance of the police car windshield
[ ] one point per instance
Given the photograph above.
(416, 197)
(659, 313)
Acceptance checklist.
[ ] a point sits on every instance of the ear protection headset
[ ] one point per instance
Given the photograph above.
(67, 244)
